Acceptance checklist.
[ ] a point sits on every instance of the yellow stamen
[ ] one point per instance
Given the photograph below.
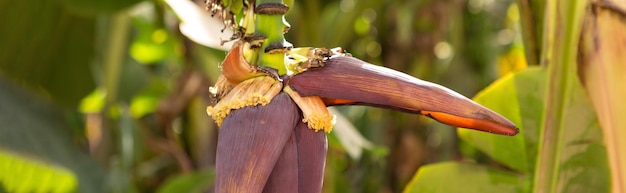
(255, 91)
(316, 114)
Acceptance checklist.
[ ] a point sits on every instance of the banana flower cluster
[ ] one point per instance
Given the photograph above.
(273, 127)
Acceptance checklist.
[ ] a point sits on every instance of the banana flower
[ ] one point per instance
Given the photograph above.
(272, 127)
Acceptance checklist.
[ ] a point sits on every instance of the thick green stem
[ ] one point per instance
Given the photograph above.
(272, 27)
(562, 27)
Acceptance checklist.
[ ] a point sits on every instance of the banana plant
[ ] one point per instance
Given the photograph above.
(273, 98)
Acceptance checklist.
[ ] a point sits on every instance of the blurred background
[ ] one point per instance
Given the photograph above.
(110, 96)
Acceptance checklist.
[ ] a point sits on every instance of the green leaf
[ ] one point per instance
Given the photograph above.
(23, 174)
(93, 102)
(47, 49)
(37, 129)
(582, 158)
(519, 97)
(582, 163)
(464, 177)
(198, 181)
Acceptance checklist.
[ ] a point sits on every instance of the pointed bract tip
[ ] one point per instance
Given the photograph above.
(472, 123)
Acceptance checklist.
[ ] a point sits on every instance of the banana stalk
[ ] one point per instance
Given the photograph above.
(270, 25)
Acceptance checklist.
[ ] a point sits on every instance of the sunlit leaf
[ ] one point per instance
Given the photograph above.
(93, 102)
(512, 61)
(23, 174)
(519, 98)
(195, 182)
(464, 177)
(35, 128)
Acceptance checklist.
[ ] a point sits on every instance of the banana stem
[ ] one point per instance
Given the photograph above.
(270, 24)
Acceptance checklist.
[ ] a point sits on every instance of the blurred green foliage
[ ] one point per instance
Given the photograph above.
(47, 48)
(113, 93)
(38, 150)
